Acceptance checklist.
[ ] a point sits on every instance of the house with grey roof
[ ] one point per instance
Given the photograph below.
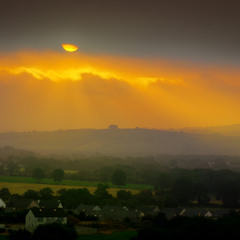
(196, 212)
(117, 213)
(220, 212)
(2, 204)
(18, 205)
(50, 203)
(85, 208)
(172, 212)
(89, 210)
(108, 212)
(143, 211)
(37, 216)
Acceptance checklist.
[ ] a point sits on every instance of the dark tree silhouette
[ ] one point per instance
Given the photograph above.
(5, 194)
(230, 194)
(201, 193)
(101, 192)
(20, 235)
(58, 175)
(31, 194)
(38, 174)
(54, 231)
(119, 178)
(183, 190)
(124, 195)
(72, 197)
(46, 193)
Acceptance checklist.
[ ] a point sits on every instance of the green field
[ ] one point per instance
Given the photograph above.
(124, 235)
(20, 185)
(16, 179)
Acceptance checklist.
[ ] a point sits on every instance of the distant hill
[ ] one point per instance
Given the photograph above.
(125, 142)
(228, 130)
(7, 151)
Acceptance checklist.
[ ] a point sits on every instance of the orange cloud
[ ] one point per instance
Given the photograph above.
(50, 90)
(60, 67)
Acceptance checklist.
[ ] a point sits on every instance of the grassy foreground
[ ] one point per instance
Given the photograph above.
(124, 235)
(20, 185)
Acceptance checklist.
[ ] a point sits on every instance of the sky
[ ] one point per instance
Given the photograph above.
(151, 64)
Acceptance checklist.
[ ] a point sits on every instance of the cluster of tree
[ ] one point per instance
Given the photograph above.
(44, 194)
(173, 188)
(118, 178)
(179, 187)
(190, 228)
(184, 186)
(52, 231)
(57, 175)
(71, 198)
(12, 217)
(101, 168)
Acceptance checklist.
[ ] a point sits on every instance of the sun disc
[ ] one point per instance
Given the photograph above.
(69, 47)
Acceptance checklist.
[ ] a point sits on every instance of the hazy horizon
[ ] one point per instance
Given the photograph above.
(194, 129)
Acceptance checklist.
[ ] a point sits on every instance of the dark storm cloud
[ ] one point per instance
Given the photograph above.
(199, 30)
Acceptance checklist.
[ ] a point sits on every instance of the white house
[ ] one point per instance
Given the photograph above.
(37, 216)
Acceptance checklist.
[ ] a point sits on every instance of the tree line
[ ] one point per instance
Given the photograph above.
(100, 168)
(51, 231)
(173, 186)
(179, 187)
(71, 198)
(201, 185)
(159, 227)
(118, 177)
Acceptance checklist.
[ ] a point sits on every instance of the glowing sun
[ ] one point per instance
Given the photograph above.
(69, 47)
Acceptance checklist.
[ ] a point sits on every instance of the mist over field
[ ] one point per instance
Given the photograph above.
(129, 142)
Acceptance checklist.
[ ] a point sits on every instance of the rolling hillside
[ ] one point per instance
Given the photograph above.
(125, 142)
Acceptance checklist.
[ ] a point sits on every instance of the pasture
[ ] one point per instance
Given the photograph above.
(19, 185)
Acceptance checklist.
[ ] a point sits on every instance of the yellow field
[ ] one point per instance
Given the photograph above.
(70, 171)
(20, 188)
